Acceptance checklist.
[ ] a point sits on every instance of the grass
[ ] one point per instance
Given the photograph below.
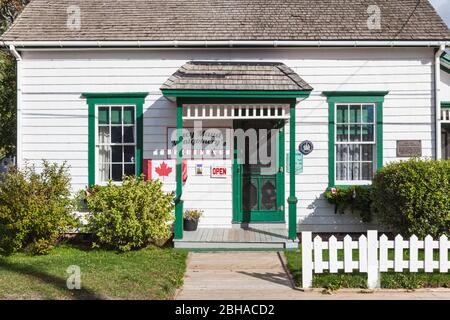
(389, 280)
(151, 273)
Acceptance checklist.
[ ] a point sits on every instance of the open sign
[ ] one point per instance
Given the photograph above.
(218, 172)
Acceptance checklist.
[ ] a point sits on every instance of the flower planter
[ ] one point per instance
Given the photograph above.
(190, 224)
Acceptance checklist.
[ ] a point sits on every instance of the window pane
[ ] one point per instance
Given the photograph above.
(130, 170)
(103, 135)
(355, 152)
(355, 168)
(342, 152)
(341, 170)
(367, 171)
(103, 115)
(116, 134)
(355, 133)
(129, 154)
(103, 154)
(128, 135)
(367, 152)
(368, 113)
(342, 114)
(117, 172)
(116, 153)
(342, 133)
(367, 132)
(128, 115)
(116, 115)
(355, 113)
(104, 171)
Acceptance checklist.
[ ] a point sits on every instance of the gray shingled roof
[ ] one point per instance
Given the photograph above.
(206, 75)
(162, 20)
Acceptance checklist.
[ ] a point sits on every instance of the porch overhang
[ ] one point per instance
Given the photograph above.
(236, 90)
(241, 80)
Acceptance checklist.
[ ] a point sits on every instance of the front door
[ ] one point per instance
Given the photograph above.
(258, 187)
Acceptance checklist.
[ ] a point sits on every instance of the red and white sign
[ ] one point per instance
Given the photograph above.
(218, 172)
(163, 170)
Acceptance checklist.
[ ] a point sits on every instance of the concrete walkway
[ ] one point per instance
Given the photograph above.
(261, 276)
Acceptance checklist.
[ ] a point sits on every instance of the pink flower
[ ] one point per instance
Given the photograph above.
(333, 190)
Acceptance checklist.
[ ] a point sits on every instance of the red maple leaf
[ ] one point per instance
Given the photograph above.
(163, 170)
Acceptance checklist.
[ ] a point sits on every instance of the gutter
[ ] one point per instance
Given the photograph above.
(18, 57)
(437, 88)
(221, 43)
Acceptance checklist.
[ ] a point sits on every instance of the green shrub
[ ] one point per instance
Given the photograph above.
(35, 208)
(413, 197)
(131, 215)
(356, 198)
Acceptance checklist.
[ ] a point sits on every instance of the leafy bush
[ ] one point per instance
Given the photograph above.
(192, 214)
(131, 215)
(357, 198)
(35, 207)
(413, 197)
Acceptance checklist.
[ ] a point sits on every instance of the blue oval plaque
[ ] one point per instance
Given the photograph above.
(306, 147)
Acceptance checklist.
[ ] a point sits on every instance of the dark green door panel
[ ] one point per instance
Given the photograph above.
(258, 189)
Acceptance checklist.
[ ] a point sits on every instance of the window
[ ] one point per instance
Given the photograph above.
(355, 147)
(116, 142)
(115, 128)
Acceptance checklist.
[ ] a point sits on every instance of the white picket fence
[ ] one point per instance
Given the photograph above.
(373, 256)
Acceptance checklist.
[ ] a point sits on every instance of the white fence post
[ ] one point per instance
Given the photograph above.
(443, 254)
(332, 254)
(373, 273)
(428, 261)
(413, 253)
(307, 263)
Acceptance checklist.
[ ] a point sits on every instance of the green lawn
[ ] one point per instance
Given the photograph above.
(151, 273)
(389, 280)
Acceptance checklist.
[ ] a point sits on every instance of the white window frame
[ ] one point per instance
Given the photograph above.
(97, 144)
(373, 143)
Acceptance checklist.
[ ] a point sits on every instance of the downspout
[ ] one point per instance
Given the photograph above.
(437, 88)
(18, 57)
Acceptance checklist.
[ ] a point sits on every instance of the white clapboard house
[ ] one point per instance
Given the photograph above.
(346, 86)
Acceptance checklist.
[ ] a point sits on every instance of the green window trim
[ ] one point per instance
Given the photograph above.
(94, 99)
(445, 104)
(445, 62)
(376, 97)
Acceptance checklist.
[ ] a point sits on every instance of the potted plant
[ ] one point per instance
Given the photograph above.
(191, 218)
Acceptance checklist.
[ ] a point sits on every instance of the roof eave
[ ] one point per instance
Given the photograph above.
(59, 44)
(260, 94)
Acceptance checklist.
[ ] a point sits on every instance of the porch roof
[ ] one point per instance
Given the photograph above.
(202, 78)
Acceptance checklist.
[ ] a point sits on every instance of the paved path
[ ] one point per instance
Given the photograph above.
(261, 275)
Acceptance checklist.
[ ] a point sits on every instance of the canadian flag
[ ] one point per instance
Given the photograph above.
(164, 170)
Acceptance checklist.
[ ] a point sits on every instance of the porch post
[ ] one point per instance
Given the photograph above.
(292, 200)
(178, 224)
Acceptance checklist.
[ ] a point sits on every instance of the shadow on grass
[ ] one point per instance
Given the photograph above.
(58, 283)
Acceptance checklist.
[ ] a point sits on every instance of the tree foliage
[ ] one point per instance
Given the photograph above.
(9, 10)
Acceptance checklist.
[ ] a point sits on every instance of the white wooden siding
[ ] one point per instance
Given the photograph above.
(55, 115)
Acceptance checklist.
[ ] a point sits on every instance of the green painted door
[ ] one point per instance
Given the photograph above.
(258, 184)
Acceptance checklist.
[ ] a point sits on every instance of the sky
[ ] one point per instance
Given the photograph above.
(443, 8)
